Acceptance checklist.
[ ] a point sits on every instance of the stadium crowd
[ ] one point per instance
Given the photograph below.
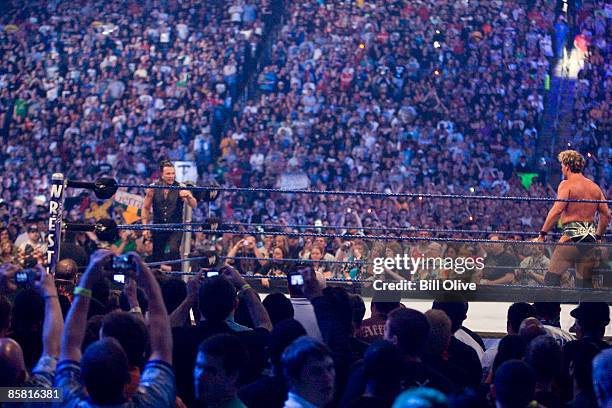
(383, 96)
(427, 97)
(591, 126)
(379, 96)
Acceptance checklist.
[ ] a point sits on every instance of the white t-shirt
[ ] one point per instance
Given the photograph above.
(560, 335)
(464, 337)
(487, 359)
(182, 30)
(303, 312)
(236, 13)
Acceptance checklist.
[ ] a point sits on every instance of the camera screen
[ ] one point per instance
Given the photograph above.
(121, 263)
(119, 278)
(210, 274)
(21, 277)
(296, 280)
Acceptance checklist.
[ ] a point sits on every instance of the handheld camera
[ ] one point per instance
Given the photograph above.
(25, 277)
(121, 266)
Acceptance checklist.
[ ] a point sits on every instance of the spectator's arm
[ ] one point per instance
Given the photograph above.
(536, 276)
(393, 274)
(76, 321)
(330, 323)
(131, 293)
(232, 252)
(180, 315)
(53, 325)
(257, 311)
(159, 322)
(507, 278)
(118, 249)
(7, 277)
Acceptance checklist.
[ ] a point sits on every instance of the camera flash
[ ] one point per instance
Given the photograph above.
(362, 46)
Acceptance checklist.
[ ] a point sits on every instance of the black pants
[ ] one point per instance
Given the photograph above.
(172, 240)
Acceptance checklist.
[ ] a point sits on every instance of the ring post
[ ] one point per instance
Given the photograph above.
(56, 209)
(186, 241)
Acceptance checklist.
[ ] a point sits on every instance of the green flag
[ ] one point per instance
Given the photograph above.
(527, 179)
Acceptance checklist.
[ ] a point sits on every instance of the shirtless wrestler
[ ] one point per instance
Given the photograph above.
(578, 220)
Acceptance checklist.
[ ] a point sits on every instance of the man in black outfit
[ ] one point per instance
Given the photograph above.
(167, 208)
(498, 264)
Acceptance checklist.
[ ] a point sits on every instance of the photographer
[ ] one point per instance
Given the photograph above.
(30, 241)
(12, 356)
(246, 247)
(126, 243)
(102, 371)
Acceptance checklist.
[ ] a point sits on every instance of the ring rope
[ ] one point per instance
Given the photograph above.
(336, 262)
(290, 260)
(349, 227)
(511, 286)
(353, 236)
(248, 258)
(252, 276)
(420, 196)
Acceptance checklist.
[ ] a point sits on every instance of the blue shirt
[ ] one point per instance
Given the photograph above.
(156, 389)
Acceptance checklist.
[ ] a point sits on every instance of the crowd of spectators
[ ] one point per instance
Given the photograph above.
(90, 88)
(425, 96)
(590, 131)
(212, 342)
(381, 96)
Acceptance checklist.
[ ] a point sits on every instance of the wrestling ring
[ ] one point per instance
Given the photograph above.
(356, 270)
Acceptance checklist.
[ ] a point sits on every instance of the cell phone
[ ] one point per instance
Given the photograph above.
(296, 280)
(210, 274)
(25, 277)
(119, 278)
(121, 265)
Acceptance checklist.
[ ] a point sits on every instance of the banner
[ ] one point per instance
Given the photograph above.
(293, 181)
(186, 171)
(130, 205)
(527, 179)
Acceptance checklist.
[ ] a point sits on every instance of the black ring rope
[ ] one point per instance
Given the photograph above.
(420, 196)
(353, 236)
(356, 263)
(347, 227)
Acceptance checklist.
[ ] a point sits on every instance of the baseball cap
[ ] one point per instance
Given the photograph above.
(33, 228)
(592, 311)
